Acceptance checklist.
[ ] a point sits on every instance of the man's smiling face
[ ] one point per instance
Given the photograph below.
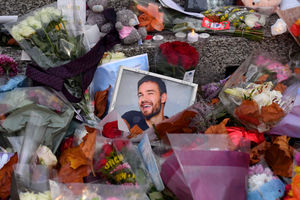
(150, 99)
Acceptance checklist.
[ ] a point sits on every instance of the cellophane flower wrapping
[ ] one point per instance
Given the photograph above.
(257, 93)
(44, 36)
(176, 58)
(79, 191)
(118, 162)
(203, 164)
(30, 182)
(52, 115)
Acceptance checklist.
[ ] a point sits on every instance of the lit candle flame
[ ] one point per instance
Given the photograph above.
(193, 32)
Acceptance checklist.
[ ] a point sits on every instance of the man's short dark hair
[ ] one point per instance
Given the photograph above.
(160, 83)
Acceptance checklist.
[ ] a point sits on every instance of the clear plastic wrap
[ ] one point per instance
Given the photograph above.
(17, 105)
(257, 92)
(202, 164)
(176, 59)
(79, 191)
(44, 36)
(118, 162)
(32, 182)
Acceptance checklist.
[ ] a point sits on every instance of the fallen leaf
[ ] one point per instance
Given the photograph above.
(271, 113)
(89, 142)
(73, 156)
(248, 111)
(280, 87)
(258, 151)
(101, 102)
(67, 174)
(218, 129)
(280, 157)
(6, 176)
(215, 101)
(76, 162)
(135, 131)
(262, 79)
(179, 123)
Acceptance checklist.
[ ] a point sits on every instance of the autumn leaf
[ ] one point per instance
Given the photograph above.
(67, 174)
(262, 79)
(248, 111)
(280, 87)
(218, 129)
(101, 102)
(6, 176)
(74, 156)
(135, 131)
(176, 124)
(89, 142)
(271, 113)
(280, 157)
(76, 162)
(258, 151)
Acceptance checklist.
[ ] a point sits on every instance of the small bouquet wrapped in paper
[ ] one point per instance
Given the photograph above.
(175, 59)
(118, 162)
(258, 94)
(80, 191)
(204, 164)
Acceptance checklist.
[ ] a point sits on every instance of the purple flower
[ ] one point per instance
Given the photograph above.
(297, 158)
(259, 169)
(8, 66)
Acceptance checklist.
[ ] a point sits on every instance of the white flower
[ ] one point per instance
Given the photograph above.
(46, 156)
(251, 20)
(256, 181)
(26, 31)
(44, 16)
(32, 196)
(34, 23)
(15, 32)
(54, 12)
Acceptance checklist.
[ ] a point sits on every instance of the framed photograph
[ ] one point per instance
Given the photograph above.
(148, 94)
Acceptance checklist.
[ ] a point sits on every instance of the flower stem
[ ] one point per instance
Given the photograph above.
(49, 39)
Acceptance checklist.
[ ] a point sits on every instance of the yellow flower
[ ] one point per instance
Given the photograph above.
(297, 169)
(298, 22)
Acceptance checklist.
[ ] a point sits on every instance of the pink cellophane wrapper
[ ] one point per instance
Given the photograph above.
(202, 170)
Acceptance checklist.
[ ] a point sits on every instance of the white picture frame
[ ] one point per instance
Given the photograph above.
(180, 94)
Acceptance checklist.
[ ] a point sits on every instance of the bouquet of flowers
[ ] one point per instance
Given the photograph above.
(80, 191)
(119, 163)
(255, 93)
(44, 36)
(176, 58)
(230, 20)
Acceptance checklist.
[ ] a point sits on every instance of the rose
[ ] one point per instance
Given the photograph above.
(119, 144)
(107, 149)
(101, 163)
(110, 130)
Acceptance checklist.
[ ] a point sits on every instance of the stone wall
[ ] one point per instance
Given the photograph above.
(217, 54)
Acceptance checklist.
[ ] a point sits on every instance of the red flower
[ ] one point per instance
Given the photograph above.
(180, 53)
(119, 144)
(107, 149)
(102, 162)
(295, 30)
(67, 143)
(110, 130)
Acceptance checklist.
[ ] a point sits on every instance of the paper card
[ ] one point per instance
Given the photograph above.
(25, 56)
(145, 151)
(189, 76)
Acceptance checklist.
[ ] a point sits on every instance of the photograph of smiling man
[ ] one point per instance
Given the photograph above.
(143, 98)
(152, 96)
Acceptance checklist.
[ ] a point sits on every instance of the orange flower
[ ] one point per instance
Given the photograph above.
(151, 18)
(296, 186)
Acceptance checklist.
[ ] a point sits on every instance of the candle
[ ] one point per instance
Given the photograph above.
(158, 38)
(180, 36)
(192, 37)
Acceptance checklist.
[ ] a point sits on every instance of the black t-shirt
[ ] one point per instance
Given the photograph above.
(135, 117)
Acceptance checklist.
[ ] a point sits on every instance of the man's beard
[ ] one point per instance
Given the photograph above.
(154, 113)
